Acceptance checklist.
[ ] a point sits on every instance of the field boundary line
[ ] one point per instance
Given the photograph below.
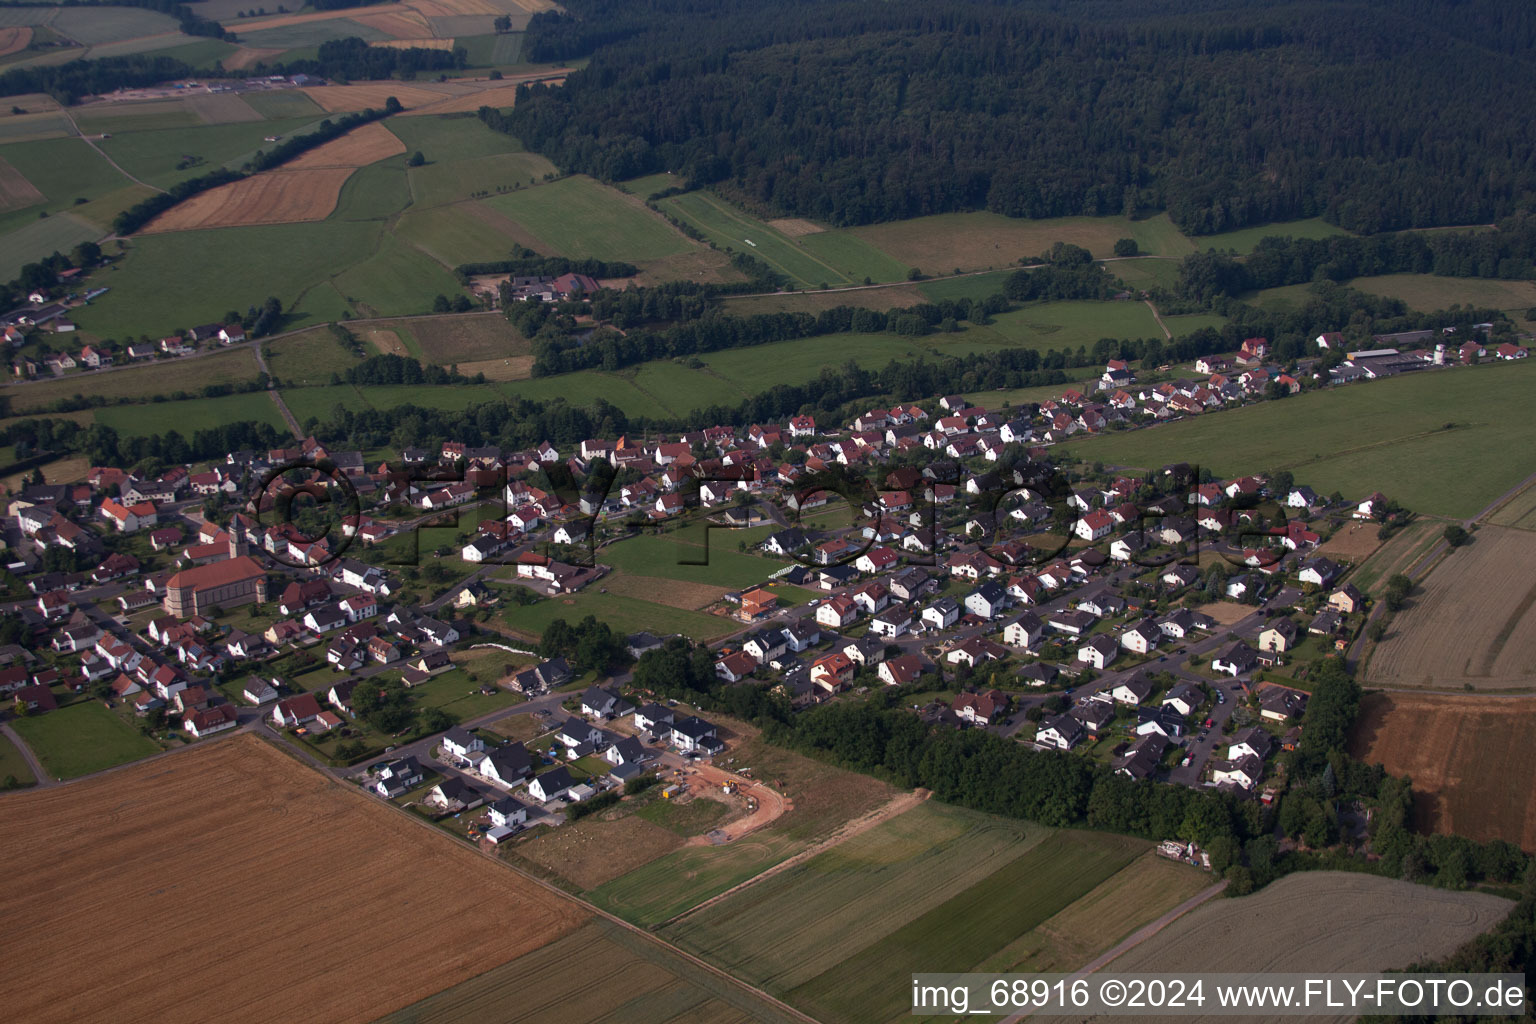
(560, 893)
(1137, 937)
(892, 808)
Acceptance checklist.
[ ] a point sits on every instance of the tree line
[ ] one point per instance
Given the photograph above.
(986, 772)
(1222, 113)
(525, 262)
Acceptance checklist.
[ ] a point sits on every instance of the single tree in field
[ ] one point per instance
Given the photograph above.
(502, 24)
(1455, 535)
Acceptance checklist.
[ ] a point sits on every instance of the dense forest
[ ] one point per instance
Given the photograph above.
(1375, 114)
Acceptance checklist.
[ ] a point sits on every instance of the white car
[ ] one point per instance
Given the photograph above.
(1186, 762)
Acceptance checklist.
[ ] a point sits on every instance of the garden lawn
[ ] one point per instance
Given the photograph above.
(81, 739)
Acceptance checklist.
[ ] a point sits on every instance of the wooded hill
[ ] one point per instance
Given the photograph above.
(1376, 114)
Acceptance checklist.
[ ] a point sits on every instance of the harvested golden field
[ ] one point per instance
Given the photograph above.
(64, 471)
(1355, 542)
(1519, 511)
(455, 8)
(1470, 758)
(262, 880)
(511, 368)
(16, 192)
(222, 108)
(447, 340)
(795, 227)
(14, 40)
(336, 99)
(276, 197)
(1472, 621)
(413, 44)
(502, 96)
(407, 26)
(368, 144)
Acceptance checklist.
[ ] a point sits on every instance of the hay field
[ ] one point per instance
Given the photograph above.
(250, 56)
(636, 981)
(341, 99)
(982, 241)
(1328, 921)
(1355, 542)
(14, 40)
(502, 96)
(429, 43)
(457, 339)
(232, 853)
(1519, 511)
(16, 192)
(672, 593)
(795, 227)
(591, 852)
(222, 108)
(387, 342)
(1470, 758)
(277, 197)
(1472, 622)
(511, 368)
(402, 23)
(366, 145)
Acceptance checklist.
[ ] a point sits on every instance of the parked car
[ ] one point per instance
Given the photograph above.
(1187, 761)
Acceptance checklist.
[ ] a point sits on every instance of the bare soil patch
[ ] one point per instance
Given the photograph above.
(795, 227)
(16, 192)
(277, 197)
(1225, 613)
(160, 863)
(1355, 542)
(368, 144)
(1470, 758)
(14, 40)
(591, 852)
(1472, 622)
(672, 593)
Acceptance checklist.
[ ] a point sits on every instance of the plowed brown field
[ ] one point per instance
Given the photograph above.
(1471, 760)
(277, 197)
(230, 883)
(368, 144)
